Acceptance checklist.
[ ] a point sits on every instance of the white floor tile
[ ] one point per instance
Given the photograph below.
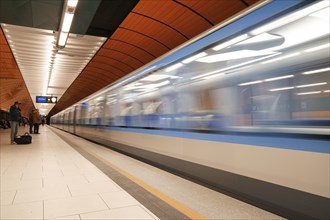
(84, 164)
(15, 174)
(130, 212)
(50, 165)
(90, 171)
(118, 199)
(53, 174)
(32, 175)
(96, 177)
(41, 194)
(92, 188)
(7, 197)
(32, 211)
(71, 217)
(73, 206)
(64, 181)
(8, 184)
(72, 171)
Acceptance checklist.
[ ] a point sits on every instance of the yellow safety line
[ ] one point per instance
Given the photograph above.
(170, 201)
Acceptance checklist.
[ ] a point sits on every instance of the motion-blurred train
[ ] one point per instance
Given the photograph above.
(243, 108)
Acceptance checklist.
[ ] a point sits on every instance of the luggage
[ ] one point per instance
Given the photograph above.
(23, 139)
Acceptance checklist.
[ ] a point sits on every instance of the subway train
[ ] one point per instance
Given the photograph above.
(242, 108)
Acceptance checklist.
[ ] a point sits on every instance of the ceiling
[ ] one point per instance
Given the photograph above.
(134, 33)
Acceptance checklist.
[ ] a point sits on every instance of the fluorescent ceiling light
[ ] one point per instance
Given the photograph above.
(310, 85)
(323, 46)
(279, 89)
(67, 17)
(250, 83)
(316, 71)
(309, 93)
(190, 59)
(62, 39)
(281, 58)
(230, 42)
(234, 55)
(278, 78)
(326, 91)
(175, 66)
(72, 3)
(67, 21)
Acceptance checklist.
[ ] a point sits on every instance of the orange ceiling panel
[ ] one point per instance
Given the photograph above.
(209, 9)
(105, 70)
(12, 86)
(139, 52)
(158, 30)
(113, 61)
(151, 29)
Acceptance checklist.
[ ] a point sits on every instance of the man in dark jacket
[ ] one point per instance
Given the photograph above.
(14, 118)
(31, 121)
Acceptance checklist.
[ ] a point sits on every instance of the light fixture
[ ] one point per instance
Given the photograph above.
(313, 84)
(316, 71)
(309, 93)
(278, 78)
(280, 89)
(250, 83)
(66, 21)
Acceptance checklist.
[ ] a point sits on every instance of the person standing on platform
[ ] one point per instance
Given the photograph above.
(14, 119)
(36, 121)
(31, 121)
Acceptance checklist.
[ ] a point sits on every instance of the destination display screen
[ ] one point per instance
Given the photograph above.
(46, 99)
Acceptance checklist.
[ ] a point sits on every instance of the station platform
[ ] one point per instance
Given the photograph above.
(62, 176)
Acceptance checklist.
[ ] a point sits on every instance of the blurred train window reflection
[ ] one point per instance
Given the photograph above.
(267, 77)
(272, 77)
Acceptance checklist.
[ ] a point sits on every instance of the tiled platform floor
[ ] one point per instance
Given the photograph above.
(49, 179)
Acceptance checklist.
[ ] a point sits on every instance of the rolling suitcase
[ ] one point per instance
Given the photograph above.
(23, 139)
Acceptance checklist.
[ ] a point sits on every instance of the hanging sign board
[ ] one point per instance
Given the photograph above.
(46, 99)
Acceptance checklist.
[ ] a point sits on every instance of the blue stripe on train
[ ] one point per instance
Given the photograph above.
(320, 146)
